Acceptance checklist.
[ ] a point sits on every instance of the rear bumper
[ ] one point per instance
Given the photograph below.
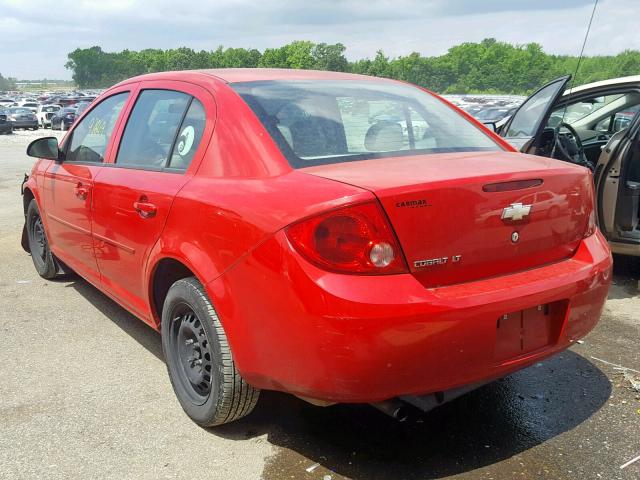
(344, 338)
(24, 124)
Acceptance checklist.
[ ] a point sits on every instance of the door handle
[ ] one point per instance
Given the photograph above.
(81, 191)
(144, 208)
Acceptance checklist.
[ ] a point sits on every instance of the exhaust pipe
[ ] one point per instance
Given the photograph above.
(394, 408)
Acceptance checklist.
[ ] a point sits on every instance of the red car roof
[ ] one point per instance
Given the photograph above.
(232, 75)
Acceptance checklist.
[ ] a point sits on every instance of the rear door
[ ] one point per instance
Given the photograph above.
(68, 185)
(158, 149)
(617, 178)
(525, 127)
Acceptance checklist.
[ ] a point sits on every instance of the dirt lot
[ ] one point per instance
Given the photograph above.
(84, 394)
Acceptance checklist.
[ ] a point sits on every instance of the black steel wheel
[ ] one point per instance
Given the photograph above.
(187, 337)
(38, 244)
(199, 359)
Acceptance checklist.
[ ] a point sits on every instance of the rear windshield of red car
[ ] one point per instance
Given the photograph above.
(316, 122)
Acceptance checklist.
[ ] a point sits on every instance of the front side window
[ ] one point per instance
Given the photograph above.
(318, 122)
(529, 117)
(91, 136)
(618, 121)
(151, 130)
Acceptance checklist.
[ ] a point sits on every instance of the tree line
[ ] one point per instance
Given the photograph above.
(489, 66)
(7, 83)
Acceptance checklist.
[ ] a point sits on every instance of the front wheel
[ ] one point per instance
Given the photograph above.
(199, 361)
(38, 244)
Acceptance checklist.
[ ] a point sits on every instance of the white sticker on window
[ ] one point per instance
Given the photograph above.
(185, 140)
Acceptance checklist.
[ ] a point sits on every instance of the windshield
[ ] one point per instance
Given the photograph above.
(577, 111)
(20, 110)
(50, 109)
(318, 122)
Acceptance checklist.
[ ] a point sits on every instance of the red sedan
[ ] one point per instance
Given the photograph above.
(338, 237)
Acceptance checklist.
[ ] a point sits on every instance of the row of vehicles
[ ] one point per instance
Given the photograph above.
(487, 108)
(46, 111)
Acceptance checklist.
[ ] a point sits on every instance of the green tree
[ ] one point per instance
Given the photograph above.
(7, 83)
(329, 57)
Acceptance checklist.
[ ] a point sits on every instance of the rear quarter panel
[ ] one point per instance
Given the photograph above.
(215, 221)
(242, 192)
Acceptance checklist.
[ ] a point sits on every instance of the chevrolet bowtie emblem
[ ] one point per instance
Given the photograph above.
(516, 211)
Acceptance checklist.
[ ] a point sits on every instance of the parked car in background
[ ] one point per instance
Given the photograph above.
(33, 106)
(81, 107)
(6, 102)
(63, 118)
(21, 117)
(494, 114)
(5, 124)
(597, 126)
(45, 113)
(283, 231)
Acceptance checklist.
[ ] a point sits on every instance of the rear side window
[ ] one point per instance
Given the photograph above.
(91, 136)
(318, 121)
(189, 136)
(163, 130)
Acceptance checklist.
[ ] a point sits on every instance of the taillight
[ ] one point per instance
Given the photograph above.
(592, 224)
(356, 239)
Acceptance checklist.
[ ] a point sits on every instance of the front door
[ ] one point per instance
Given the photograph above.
(68, 186)
(134, 194)
(617, 180)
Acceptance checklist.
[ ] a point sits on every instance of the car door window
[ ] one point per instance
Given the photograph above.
(188, 139)
(90, 137)
(151, 129)
(528, 118)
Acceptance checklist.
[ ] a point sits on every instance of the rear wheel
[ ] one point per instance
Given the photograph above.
(199, 360)
(38, 244)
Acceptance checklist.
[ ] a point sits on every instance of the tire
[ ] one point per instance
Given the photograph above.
(192, 333)
(35, 128)
(38, 244)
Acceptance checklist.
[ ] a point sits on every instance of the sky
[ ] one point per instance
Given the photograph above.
(38, 34)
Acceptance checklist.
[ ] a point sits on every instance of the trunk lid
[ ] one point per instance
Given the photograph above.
(461, 217)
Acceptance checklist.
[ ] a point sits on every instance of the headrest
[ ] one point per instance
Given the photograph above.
(384, 136)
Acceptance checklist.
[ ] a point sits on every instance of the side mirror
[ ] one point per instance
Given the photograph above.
(491, 126)
(46, 147)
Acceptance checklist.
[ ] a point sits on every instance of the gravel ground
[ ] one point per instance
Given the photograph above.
(84, 394)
